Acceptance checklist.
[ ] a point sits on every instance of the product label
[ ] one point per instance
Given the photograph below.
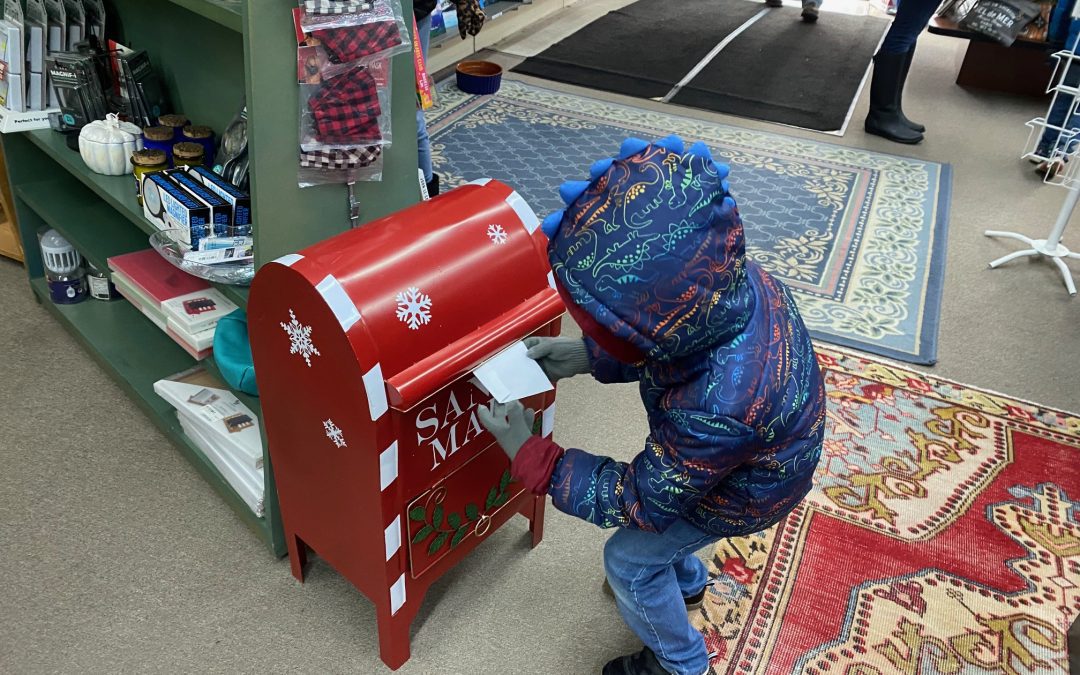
(67, 292)
(99, 288)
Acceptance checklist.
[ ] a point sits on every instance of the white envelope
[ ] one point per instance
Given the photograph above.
(511, 375)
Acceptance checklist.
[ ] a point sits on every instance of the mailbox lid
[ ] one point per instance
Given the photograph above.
(430, 275)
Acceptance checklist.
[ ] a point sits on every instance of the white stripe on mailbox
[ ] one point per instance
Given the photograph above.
(376, 392)
(480, 181)
(388, 466)
(397, 595)
(290, 259)
(551, 279)
(524, 212)
(393, 537)
(548, 424)
(339, 302)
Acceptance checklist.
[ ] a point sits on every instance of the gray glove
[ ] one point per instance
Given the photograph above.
(510, 423)
(560, 357)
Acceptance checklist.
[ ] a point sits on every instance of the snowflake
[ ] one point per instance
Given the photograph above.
(300, 339)
(334, 434)
(497, 234)
(413, 308)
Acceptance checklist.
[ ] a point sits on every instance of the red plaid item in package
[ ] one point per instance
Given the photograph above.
(356, 42)
(347, 108)
(349, 158)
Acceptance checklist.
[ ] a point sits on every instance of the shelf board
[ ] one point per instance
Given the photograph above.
(94, 228)
(136, 353)
(226, 13)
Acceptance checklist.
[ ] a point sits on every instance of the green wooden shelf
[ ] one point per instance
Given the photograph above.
(228, 14)
(93, 227)
(136, 353)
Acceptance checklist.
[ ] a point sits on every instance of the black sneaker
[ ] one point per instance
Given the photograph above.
(810, 14)
(692, 603)
(642, 663)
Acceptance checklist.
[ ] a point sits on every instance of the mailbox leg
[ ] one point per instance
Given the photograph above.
(536, 520)
(394, 636)
(297, 555)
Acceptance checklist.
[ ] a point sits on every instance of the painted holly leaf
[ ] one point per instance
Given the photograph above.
(436, 517)
(472, 512)
(492, 496)
(504, 481)
(437, 543)
(459, 535)
(502, 499)
(423, 534)
(417, 514)
(454, 520)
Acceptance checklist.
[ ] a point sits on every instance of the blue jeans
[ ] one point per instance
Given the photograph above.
(423, 142)
(651, 574)
(910, 20)
(1059, 114)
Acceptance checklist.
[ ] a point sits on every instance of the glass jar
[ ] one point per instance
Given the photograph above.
(144, 162)
(187, 154)
(159, 138)
(204, 136)
(64, 272)
(99, 284)
(176, 123)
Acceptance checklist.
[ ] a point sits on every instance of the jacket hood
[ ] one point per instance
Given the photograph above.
(652, 249)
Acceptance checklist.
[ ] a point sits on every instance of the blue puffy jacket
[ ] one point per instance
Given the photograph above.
(652, 249)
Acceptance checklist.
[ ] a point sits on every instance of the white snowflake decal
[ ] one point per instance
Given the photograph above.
(413, 308)
(497, 234)
(334, 434)
(300, 339)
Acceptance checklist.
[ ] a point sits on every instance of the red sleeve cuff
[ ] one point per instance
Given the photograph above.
(535, 463)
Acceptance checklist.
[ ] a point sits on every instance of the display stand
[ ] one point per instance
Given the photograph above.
(1064, 154)
(213, 58)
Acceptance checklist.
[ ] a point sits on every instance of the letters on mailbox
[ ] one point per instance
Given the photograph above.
(363, 348)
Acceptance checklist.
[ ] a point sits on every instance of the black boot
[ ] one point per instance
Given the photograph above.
(642, 663)
(900, 98)
(433, 185)
(884, 117)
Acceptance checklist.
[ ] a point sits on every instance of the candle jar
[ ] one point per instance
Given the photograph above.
(144, 162)
(159, 138)
(187, 154)
(176, 123)
(204, 136)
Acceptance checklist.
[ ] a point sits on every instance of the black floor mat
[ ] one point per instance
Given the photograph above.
(779, 69)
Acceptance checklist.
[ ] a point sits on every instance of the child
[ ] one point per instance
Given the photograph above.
(649, 258)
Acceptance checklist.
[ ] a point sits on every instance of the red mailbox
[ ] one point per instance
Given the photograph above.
(363, 346)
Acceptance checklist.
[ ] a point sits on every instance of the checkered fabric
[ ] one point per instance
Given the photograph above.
(356, 42)
(336, 6)
(349, 158)
(346, 108)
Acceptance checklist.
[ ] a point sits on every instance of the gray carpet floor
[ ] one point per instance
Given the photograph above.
(115, 556)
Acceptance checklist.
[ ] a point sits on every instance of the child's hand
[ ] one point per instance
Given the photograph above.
(560, 357)
(510, 424)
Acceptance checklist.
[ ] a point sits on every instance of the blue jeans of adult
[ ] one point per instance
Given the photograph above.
(910, 20)
(423, 141)
(651, 574)
(1059, 114)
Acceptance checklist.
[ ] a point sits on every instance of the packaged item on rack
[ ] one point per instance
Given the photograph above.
(36, 25)
(338, 167)
(76, 23)
(138, 86)
(344, 39)
(95, 18)
(347, 111)
(78, 88)
(425, 93)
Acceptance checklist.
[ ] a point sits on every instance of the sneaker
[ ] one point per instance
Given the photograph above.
(642, 663)
(774, 3)
(693, 602)
(810, 14)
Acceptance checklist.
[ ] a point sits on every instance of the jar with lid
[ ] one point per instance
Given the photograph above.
(204, 136)
(64, 273)
(144, 162)
(159, 138)
(174, 122)
(187, 154)
(99, 284)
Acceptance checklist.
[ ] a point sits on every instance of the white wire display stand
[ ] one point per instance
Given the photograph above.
(1064, 162)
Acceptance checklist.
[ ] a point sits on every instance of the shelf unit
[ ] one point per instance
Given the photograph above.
(212, 55)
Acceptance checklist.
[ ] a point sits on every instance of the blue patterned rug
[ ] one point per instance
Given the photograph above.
(858, 236)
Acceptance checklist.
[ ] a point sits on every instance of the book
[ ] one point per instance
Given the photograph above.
(218, 413)
(198, 311)
(240, 481)
(192, 350)
(152, 313)
(156, 277)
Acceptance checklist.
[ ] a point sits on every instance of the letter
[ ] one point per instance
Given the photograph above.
(428, 423)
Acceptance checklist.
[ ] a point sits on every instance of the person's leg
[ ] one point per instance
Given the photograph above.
(423, 141)
(650, 575)
(890, 71)
(811, 9)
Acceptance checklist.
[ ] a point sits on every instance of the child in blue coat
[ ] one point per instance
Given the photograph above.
(649, 258)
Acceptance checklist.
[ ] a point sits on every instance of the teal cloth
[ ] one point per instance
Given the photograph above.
(232, 352)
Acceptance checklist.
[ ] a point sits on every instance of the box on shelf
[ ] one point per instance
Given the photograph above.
(168, 206)
(198, 311)
(237, 198)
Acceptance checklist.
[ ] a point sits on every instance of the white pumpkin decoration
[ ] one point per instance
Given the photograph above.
(106, 145)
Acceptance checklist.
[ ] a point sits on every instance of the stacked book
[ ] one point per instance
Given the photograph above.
(185, 307)
(222, 427)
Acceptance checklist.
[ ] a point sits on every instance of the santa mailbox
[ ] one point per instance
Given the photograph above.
(364, 346)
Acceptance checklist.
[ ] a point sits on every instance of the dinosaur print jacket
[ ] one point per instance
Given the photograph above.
(649, 254)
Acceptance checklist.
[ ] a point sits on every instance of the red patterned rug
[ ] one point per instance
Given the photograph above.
(942, 536)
